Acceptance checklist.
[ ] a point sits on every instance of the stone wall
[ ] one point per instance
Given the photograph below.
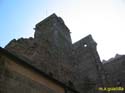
(15, 78)
(51, 50)
(115, 68)
(87, 65)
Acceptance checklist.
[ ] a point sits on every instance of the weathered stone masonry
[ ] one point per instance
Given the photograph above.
(51, 51)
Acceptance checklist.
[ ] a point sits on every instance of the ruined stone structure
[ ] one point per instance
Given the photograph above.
(76, 66)
(18, 76)
(115, 71)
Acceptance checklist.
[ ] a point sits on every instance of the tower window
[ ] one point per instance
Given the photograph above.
(85, 45)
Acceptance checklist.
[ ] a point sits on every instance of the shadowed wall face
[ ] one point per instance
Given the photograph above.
(115, 68)
(87, 64)
(16, 78)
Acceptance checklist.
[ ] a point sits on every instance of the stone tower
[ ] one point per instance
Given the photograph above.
(51, 51)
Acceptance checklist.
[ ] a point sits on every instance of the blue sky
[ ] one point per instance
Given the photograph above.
(18, 17)
(104, 19)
